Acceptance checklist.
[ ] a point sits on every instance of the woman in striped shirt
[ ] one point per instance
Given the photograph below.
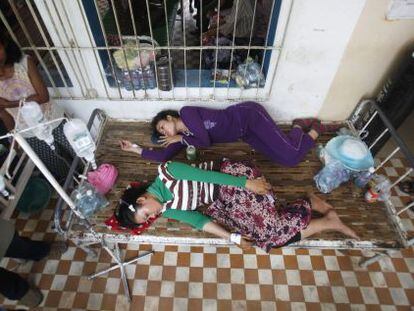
(238, 197)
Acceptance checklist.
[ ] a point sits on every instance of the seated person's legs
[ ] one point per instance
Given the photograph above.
(13, 286)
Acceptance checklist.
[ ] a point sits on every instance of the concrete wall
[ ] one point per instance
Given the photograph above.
(374, 51)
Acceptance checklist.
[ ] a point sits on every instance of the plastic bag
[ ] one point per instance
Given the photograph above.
(382, 186)
(87, 200)
(345, 131)
(103, 178)
(331, 176)
(249, 74)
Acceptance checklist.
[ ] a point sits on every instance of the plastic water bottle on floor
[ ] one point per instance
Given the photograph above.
(81, 140)
(87, 200)
(331, 176)
(364, 177)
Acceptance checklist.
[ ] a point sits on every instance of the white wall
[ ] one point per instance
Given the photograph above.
(317, 35)
(376, 49)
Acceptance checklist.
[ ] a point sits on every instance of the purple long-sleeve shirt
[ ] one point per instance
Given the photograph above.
(207, 126)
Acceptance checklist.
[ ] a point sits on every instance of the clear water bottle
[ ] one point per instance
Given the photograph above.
(3, 190)
(137, 79)
(362, 178)
(87, 200)
(126, 80)
(149, 77)
(81, 140)
(32, 114)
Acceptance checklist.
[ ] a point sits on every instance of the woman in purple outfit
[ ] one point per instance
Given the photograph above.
(247, 121)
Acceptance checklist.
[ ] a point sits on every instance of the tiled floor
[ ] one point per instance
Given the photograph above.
(220, 278)
(209, 278)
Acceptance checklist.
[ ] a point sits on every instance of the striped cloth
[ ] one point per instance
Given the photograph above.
(187, 194)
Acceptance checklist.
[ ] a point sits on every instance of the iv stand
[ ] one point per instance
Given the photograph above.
(114, 253)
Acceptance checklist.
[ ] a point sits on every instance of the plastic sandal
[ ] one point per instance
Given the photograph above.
(305, 124)
(407, 187)
(321, 128)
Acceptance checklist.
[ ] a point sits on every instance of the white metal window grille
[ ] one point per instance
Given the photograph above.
(21, 20)
(95, 46)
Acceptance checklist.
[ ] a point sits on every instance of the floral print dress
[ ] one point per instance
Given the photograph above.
(257, 216)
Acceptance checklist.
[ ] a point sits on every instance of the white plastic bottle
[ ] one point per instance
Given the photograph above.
(3, 190)
(81, 140)
(33, 115)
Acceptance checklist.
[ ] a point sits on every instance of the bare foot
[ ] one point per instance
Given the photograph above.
(319, 205)
(338, 225)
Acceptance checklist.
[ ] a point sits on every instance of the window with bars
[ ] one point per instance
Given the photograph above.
(22, 21)
(152, 49)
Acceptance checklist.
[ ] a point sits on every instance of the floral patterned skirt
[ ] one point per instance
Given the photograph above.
(256, 216)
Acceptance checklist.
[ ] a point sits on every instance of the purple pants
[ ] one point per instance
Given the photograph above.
(261, 132)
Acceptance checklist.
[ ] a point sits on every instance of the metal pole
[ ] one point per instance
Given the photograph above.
(36, 160)
(116, 265)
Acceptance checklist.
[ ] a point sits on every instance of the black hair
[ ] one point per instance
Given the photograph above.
(123, 213)
(162, 115)
(12, 50)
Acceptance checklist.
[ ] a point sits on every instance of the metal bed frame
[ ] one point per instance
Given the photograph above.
(358, 123)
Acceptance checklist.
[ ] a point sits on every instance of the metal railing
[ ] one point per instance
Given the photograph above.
(63, 222)
(72, 52)
(360, 122)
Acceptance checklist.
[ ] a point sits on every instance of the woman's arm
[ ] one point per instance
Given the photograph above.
(202, 222)
(193, 218)
(159, 155)
(187, 172)
(192, 118)
(42, 95)
(216, 229)
(162, 155)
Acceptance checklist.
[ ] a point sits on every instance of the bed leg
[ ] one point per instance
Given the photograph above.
(86, 247)
(366, 261)
(116, 255)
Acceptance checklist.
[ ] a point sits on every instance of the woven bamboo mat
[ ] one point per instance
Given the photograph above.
(370, 221)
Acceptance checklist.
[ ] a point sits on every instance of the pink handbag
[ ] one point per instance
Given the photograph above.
(103, 178)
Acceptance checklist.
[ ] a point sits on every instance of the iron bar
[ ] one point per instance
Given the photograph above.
(118, 29)
(29, 39)
(107, 48)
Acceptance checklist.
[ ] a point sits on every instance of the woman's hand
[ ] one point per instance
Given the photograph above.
(245, 243)
(258, 185)
(126, 145)
(168, 140)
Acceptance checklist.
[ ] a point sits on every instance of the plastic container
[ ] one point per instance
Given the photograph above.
(87, 200)
(362, 178)
(379, 189)
(32, 114)
(331, 176)
(81, 140)
(191, 153)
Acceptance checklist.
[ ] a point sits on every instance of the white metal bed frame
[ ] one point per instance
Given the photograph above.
(367, 110)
